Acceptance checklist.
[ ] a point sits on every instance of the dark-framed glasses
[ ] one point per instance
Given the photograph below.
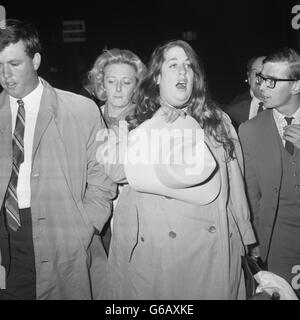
(270, 82)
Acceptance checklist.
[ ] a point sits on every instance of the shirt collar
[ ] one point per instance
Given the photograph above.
(251, 93)
(28, 100)
(279, 116)
(255, 100)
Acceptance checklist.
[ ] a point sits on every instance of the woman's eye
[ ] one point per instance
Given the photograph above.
(173, 65)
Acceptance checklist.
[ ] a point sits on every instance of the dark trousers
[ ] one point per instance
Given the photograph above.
(18, 258)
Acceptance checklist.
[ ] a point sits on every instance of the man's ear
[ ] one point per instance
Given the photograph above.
(36, 60)
(296, 87)
(248, 78)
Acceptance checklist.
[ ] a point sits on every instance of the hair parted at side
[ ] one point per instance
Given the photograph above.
(290, 55)
(16, 30)
(200, 106)
(113, 56)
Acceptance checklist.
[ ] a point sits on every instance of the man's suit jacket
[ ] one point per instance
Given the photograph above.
(239, 109)
(263, 173)
(70, 193)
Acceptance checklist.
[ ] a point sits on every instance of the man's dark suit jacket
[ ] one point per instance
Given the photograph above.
(239, 108)
(263, 173)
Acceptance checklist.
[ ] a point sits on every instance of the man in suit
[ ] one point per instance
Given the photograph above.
(247, 105)
(271, 143)
(53, 191)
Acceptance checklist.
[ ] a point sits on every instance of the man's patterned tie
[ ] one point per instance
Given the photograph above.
(288, 145)
(11, 203)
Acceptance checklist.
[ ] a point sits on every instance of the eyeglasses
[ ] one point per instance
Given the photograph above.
(270, 82)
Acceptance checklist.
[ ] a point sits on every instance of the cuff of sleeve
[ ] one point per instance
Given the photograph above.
(248, 235)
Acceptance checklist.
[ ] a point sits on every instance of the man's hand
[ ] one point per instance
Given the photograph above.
(253, 251)
(292, 133)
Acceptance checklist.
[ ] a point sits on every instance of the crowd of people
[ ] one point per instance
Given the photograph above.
(74, 226)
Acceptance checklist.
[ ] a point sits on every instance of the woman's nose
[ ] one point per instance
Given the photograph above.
(119, 86)
(182, 69)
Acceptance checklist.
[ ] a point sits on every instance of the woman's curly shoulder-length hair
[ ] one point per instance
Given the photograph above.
(113, 56)
(199, 105)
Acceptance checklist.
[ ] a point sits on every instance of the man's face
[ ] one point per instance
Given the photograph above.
(279, 97)
(18, 75)
(256, 68)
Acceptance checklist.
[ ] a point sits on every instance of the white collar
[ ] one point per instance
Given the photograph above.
(28, 100)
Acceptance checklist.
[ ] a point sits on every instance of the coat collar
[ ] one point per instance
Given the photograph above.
(48, 110)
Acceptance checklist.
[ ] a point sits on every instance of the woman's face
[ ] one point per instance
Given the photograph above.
(119, 84)
(176, 78)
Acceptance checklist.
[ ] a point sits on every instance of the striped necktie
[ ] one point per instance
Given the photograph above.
(11, 203)
(288, 145)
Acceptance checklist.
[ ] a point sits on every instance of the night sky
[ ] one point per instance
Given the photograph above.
(228, 34)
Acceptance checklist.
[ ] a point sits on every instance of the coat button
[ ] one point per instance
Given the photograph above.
(172, 234)
(142, 239)
(212, 229)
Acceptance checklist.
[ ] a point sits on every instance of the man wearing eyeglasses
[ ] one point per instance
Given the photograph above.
(248, 104)
(271, 143)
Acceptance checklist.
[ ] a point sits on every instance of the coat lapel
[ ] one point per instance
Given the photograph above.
(5, 143)
(43, 119)
(5, 114)
(49, 109)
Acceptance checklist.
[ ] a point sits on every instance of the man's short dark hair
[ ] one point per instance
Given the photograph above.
(251, 61)
(16, 30)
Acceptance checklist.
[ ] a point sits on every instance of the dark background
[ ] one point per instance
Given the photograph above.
(228, 34)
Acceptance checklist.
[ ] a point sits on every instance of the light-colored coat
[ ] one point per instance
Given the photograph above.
(70, 193)
(163, 248)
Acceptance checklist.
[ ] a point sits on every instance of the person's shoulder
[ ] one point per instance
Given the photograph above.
(64, 96)
(225, 117)
(76, 98)
(253, 126)
(77, 103)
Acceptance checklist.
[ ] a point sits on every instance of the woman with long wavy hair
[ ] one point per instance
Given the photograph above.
(165, 248)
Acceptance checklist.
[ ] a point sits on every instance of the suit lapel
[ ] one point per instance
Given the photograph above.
(274, 156)
(273, 175)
